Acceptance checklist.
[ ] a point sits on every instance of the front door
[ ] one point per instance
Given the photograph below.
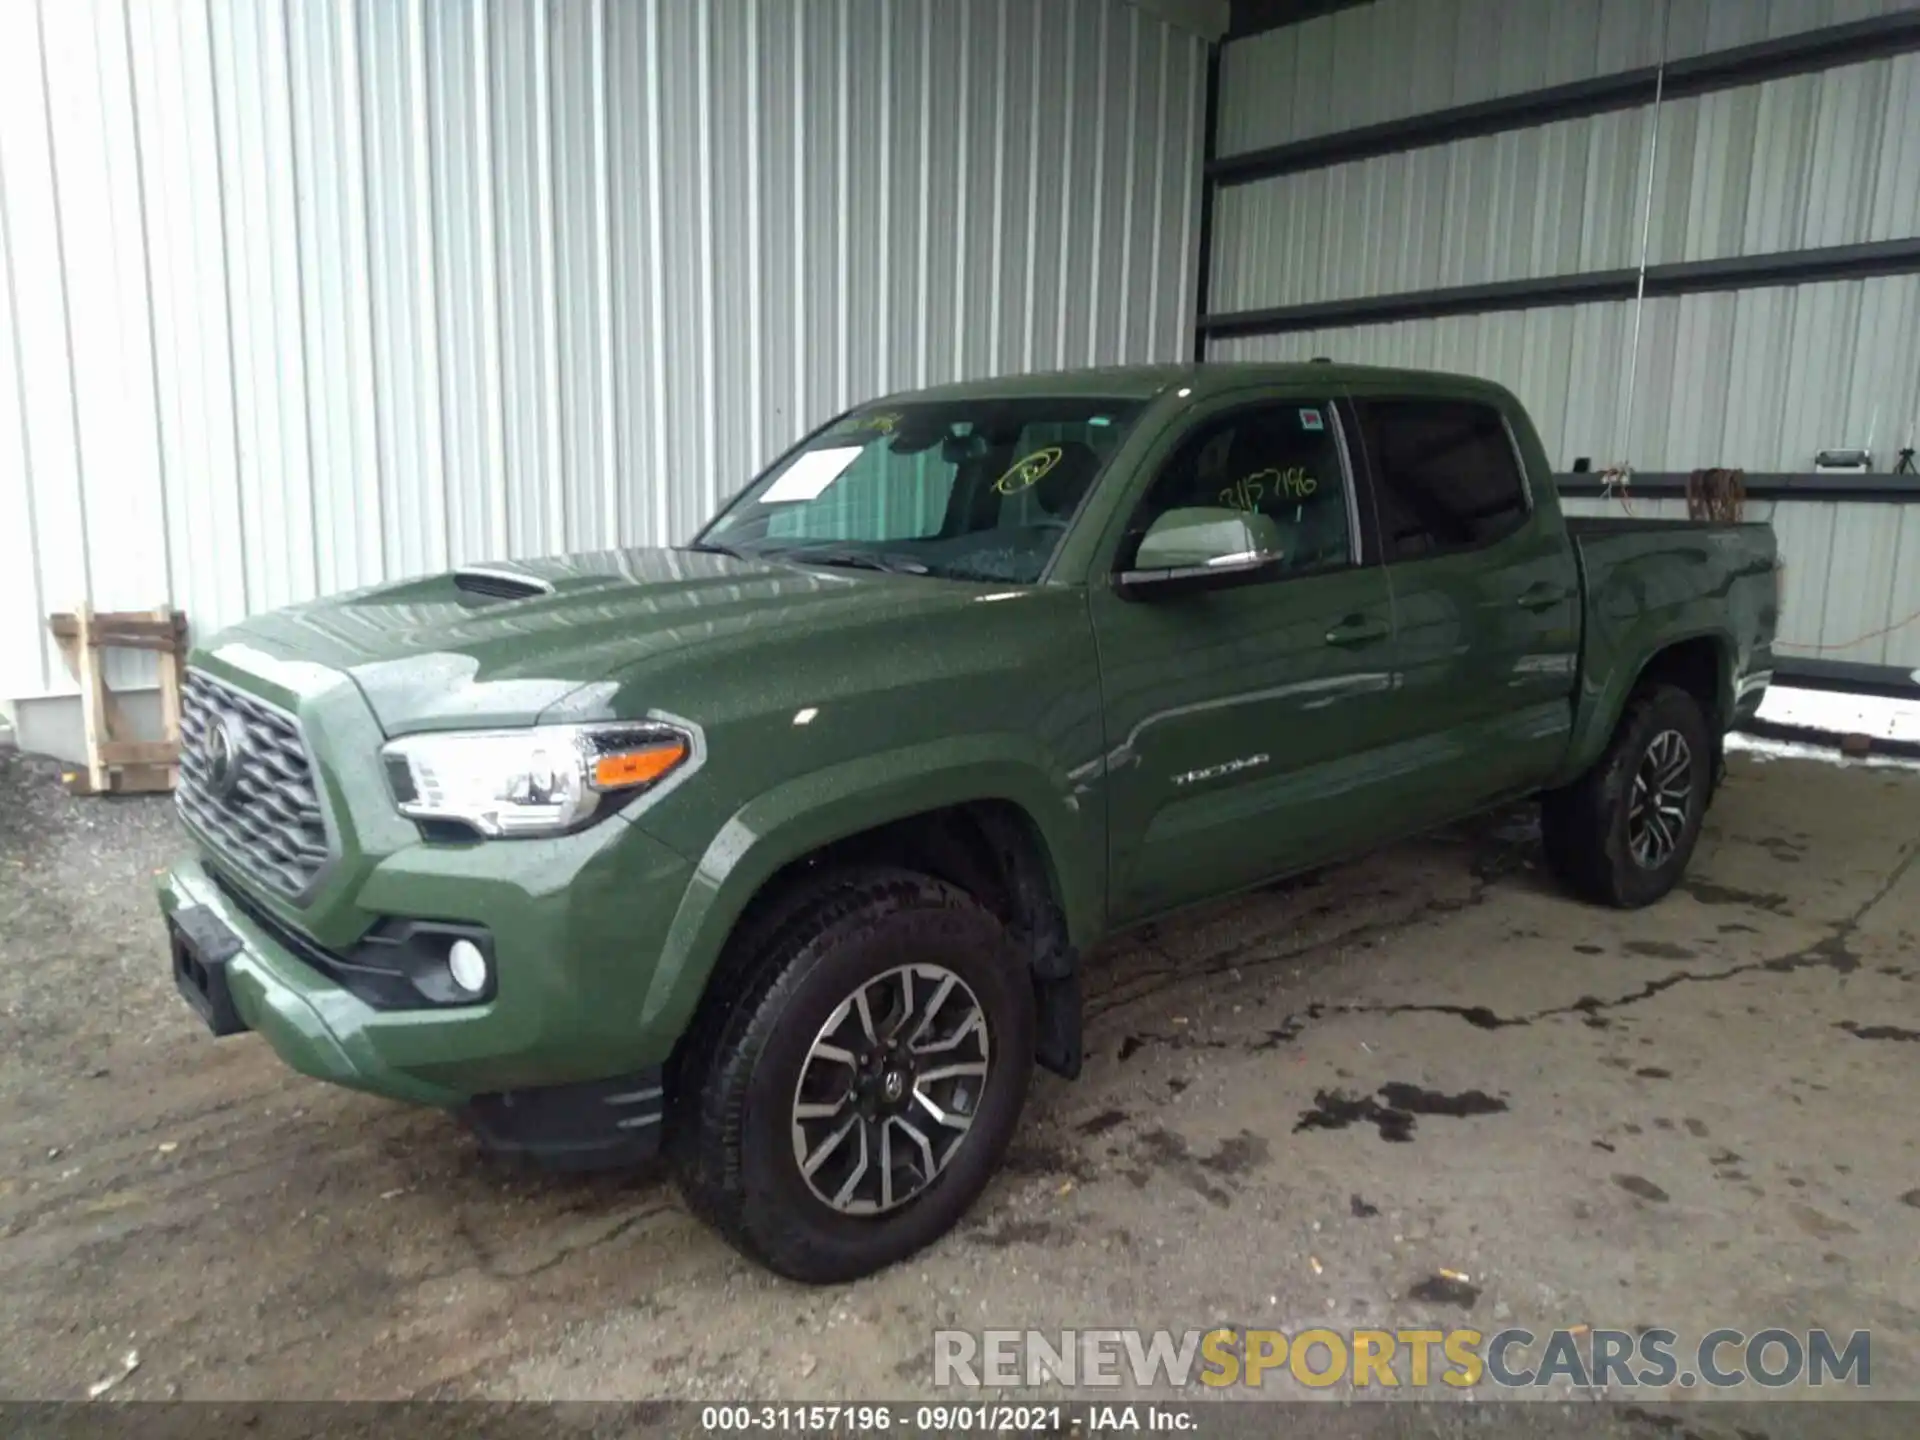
(1239, 720)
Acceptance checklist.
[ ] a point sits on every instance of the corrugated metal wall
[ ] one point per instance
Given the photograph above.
(1829, 158)
(1749, 378)
(1563, 362)
(1709, 396)
(1759, 379)
(301, 295)
(1553, 200)
(1397, 58)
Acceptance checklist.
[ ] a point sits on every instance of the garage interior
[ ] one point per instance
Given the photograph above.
(307, 296)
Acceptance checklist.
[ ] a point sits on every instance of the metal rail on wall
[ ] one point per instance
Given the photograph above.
(1869, 486)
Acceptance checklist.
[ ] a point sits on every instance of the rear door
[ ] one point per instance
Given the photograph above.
(1485, 601)
(1240, 720)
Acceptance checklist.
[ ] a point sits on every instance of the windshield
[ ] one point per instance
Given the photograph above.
(967, 489)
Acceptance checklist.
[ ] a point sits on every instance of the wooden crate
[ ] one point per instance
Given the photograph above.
(114, 765)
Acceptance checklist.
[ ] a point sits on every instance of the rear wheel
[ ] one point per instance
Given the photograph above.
(855, 1078)
(1623, 833)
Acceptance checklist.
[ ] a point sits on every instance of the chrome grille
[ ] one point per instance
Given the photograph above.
(264, 818)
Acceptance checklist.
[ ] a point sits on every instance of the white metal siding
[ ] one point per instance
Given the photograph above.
(1831, 158)
(1397, 58)
(1551, 200)
(1759, 379)
(1563, 362)
(301, 295)
(1763, 379)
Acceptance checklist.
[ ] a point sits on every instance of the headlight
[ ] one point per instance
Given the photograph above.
(543, 781)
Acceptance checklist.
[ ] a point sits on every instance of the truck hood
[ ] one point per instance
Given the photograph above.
(510, 642)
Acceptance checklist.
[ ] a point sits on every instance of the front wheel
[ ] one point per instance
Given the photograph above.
(857, 1076)
(1622, 834)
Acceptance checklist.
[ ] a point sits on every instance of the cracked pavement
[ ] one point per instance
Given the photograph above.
(1299, 1107)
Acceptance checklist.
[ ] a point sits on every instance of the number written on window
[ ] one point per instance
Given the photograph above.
(1279, 467)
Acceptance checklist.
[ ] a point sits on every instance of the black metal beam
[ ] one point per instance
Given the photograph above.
(1686, 277)
(1729, 69)
(1424, 304)
(1252, 17)
(1785, 267)
(1873, 486)
(1209, 140)
(1624, 91)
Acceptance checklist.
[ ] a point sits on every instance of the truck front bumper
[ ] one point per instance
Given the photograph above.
(242, 973)
(554, 1065)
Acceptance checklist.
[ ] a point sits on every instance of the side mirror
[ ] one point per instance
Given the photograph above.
(1201, 548)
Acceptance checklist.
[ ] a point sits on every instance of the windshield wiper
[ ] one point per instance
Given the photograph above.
(709, 547)
(854, 560)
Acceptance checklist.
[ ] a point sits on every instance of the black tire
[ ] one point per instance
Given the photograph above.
(1585, 827)
(731, 1123)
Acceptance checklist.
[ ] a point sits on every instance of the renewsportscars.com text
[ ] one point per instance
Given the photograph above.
(1366, 1359)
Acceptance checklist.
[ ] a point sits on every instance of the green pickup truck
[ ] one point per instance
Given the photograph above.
(778, 853)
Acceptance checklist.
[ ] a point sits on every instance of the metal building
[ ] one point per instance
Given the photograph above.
(301, 295)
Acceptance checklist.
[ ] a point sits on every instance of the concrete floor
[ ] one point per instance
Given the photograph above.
(1693, 1116)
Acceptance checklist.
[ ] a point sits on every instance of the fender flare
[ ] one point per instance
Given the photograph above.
(1598, 714)
(800, 816)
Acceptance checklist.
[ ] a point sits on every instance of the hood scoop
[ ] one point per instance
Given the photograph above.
(499, 584)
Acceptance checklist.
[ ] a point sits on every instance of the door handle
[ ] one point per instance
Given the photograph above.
(1542, 596)
(1357, 630)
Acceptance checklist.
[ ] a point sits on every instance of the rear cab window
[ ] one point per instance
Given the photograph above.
(1446, 476)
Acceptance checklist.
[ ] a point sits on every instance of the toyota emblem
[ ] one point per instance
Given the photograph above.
(226, 754)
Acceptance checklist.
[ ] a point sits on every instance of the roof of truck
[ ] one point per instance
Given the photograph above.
(1144, 382)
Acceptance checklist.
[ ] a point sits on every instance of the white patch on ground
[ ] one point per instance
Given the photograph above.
(1763, 749)
(1836, 715)
(1873, 715)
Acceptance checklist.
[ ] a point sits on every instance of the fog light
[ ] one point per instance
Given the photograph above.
(467, 966)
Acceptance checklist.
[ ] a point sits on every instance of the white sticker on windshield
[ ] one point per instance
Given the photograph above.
(812, 473)
(1310, 420)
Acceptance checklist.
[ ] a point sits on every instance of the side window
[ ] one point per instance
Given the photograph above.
(1276, 469)
(1445, 475)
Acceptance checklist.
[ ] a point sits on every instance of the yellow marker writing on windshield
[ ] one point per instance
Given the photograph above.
(1026, 471)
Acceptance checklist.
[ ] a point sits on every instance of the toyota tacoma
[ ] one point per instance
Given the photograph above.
(778, 852)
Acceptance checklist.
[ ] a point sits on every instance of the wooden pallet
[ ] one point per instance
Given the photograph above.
(114, 765)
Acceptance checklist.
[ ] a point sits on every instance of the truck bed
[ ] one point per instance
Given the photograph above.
(1650, 583)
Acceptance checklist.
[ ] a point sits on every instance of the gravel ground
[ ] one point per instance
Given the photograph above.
(1298, 1108)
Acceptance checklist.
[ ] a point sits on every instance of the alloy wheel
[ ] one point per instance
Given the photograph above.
(1662, 793)
(889, 1088)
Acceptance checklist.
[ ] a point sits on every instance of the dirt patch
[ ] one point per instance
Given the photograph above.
(1395, 1110)
(1641, 1186)
(1445, 1290)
